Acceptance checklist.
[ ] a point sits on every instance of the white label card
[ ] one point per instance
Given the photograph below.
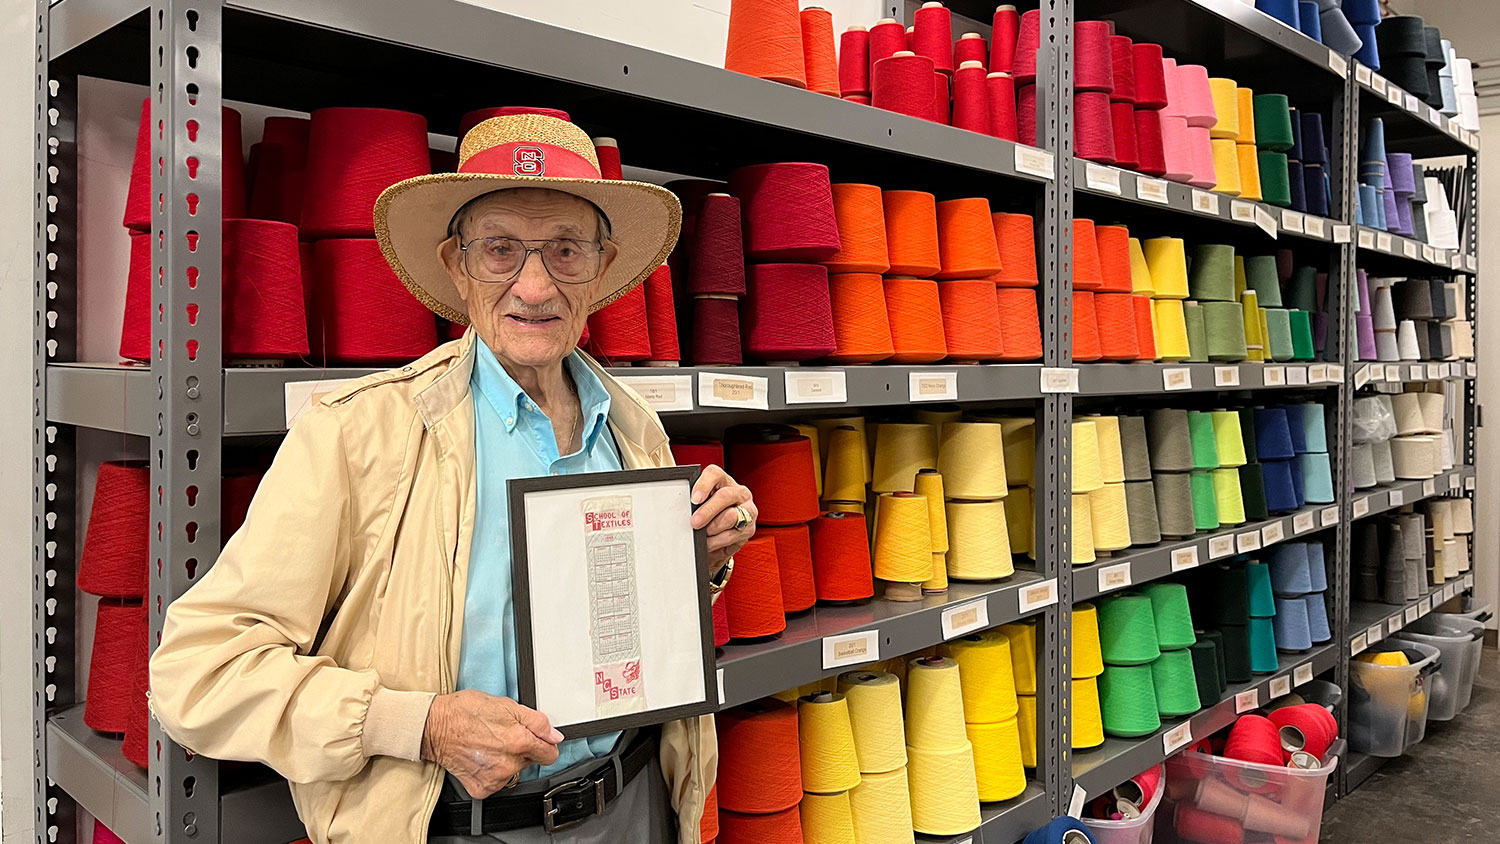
(1246, 701)
(1226, 376)
(1361, 377)
(1291, 220)
(1328, 516)
(1315, 227)
(1241, 211)
(1471, 369)
(1335, 373)
(1469, 484)
(1220, 546)
(1413, 104)
(1101, 178)
(1429, 254)
(1434, 371)
(1411, 614)
(816, 386)
(663, 392)
(1034, 162)
(1392, 372)
(1338, 64)
(1075, 806)
(1303, 522)
(965, 618)
(851, 649)
(1272, 533)
(1375, 633)
(1247, 541)
(747, 392)
(1273, 376)
(1362, 74)
(721, 686)
(1361, 507)
(1424, 606)
(1205, 202)
(1035, 596)
(1059, 379)
(932, 386)
(1317, 373)
(1302, 674)
(1151, 190)
(1379, 83)
(1397, 498)
(1341, 233)
(1393, 95)
(1453, 481)
(1185, 558)
(1177, 738)
(1281, 685)
(1410, 249)
(1383, 241)
(1417, 372)
(1468, 581)
(301, 396)
(1366, 239)
(1114, 577)
(1359, 644)
(1429, 488)
(1177, 378)
(1265, 222)
(1296, 376)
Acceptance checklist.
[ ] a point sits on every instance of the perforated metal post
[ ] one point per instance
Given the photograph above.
(1054, 472)
(1471, 247)
(186, 363)
(1345, 119)
(53, 458)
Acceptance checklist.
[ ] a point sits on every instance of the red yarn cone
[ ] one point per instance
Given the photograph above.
(352, 155)
(135, 327)
(280, 170)
(620, 331)
(661, 316)
(368, 315)
(137, 744)
(139, 203)
(115, 562)
(119, 642)
(264, 314)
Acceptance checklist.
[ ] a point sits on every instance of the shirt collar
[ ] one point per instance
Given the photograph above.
(505, 395)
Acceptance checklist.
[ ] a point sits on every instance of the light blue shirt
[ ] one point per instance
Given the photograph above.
(514, 439)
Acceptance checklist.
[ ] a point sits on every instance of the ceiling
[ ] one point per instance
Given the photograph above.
(1474, 28)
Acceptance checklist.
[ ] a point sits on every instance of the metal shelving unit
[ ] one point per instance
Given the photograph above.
(302, 56)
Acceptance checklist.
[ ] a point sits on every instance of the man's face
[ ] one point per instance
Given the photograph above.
(532, 320)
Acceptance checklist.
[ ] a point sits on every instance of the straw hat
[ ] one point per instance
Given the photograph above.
(516, 151)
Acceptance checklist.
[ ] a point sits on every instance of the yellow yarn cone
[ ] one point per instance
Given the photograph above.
(985, 675)
(1226, 107)
(1087, 472)
(1022, 636)
(1227, 497)
(979, 540)
(1018, 520)
(827, 819)
(874, 700)
(1087, 722)
(1245, 99)
(1226, 167)
(944, 793)
(881, 805)
(934, 705)
(1171, 329)
(1166, 258)
(811, 432)
(998, 769)
(902, 550)
(1026, 726)
(900, 450)
(827, 423)
(1140, 273)
(1240, 282)
(1228, 438)
(971, 457)
(1109, 518)
(826, 743)
(1082, 536)
(844, 469)
(1111, 461)
(938, 417)
(1249, 161)
(1088, 659)
(1255, 340)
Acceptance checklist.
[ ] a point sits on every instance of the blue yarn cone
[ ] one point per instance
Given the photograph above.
(1299, 487)
(1317, 478)
(1273, 434)
(1317, 618)
(1285, 11)
(1291, 625)
(1281, 496)
(1289, 569)
(1317, 571)
(1368, 54)
(1298, 429)
(1361, 12)
(1314, 427)
(1309, 21)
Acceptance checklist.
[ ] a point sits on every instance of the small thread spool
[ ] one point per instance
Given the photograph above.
(1005, 29)
(979, 540)
(971, 47)
(971, 101)
(887, 37)
(760, 770)
(932, 35)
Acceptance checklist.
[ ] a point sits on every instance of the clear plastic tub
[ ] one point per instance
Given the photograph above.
(1130, 830)
(1460, 640)
(1321, 692)
(1388, 703)
(1213, 799)
(1475, 609)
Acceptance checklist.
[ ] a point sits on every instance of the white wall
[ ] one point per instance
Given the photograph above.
(1487, 346)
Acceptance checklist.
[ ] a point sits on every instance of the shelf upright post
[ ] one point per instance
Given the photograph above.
(54, 470)
(186, 228)
(1470, 246)
(1343, 289)
(1053, 504)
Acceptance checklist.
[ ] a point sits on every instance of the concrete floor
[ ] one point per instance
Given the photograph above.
(1444, 791)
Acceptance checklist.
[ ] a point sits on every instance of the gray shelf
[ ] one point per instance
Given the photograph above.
(1005, 822)
(1418, 127)
(1099, 769)
(795, 656)
(1114, 379)
(1360, 767)
(1148, 564)
(1378, 249)
(1370, 621)
(1411, 372)
(93, 771)
(1370, 502)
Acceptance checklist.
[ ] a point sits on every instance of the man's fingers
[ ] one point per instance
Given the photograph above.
(718, 513)
(539, 751)
(709, 479)
(538, 723)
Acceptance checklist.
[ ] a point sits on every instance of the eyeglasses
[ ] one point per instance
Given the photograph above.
(501, 259)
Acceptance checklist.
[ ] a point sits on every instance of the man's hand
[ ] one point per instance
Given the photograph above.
(485, 740)
(719, 495)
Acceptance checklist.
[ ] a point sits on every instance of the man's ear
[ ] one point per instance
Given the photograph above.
(453, 260)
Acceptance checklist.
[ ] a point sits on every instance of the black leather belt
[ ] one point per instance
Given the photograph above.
(564, 805)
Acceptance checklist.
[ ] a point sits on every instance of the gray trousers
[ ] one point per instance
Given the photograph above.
(641, 814)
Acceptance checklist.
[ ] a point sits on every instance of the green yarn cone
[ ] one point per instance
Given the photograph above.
(1275, 181)
(1279, 333)
(1302, 341)
(1212, 275)
(1231, 595)
(1205, 503)
(1127, 629)
(1224, 327)
(1302, 289)
(1263, 659)
(1262, 598)
(1247, 432)
(1174, 619)
(1261, 276)
(1273, 124)
(1217, 639)
(1236, 652)
(1201, 433)
(1176, 685)
(1253, 492)
(1206, 671)
(1197, 334)
(1127, 701)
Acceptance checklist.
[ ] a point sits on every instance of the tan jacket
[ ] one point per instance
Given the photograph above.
(316, 642)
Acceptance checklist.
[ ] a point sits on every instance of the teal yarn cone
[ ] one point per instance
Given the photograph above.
(1317, 478)
(1279, 333)
(1236, 652)
(1206, 672)
(1314, 428)
(1197, 334)
(1127, 629)
(1216, 638)
(1302, 342)
(1261, 276)
(1201, 434)
(1127, 701)
(1205, 502)
(1224, 331)
(1262, 596)
(1176, 685)
(1253, 492)
(1302, 289)
(1174, 618)
(1263, 659)
(1231, 590)
(1211, 278)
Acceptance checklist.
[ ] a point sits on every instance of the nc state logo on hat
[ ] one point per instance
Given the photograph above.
(530, 161)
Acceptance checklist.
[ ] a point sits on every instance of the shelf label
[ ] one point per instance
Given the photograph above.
(1434, 371)
(1296, 376)
(1328, 516)
(301, 396)
(1059, 379)
(1338, 64)
(1361, 507)
(1360, 643)
(1453, 481)
(1101, 178)
(1273, 376)
(1291, 220)
(748, 392)
(1393, 372)
(1341, 233)
(1469, 484)
(1361, 377)
(1304, 522)
(932, 386)
(1452, 126)
(1335, 373)
(1410, 249)
(1397, 498)
(1366, 239)
(1362, 74)
(1075, 806)
(1394, 95)
(1429, 488)
(1034, 162)
(1393, 624)
(1317, 373)
(1429, 254)
(1435, 116)
(1226, 376)
(1379, 83)
(1302, 674)
(1413, 104)
(851, 649)
(1246, 701)
(1220, 546)
(1114, 577)
(1471, 369)
(816, 386)
(1177, 738)
(1205, 202)
(1424, 606)
(1247, 541)
(1375, 633)
(1265, 221)
(1280, 685)
(1036, 596)
(1151, 190)
(662, 392)
(1315, 227)
(1412, 614)
(721, 686)
(1241, 211)
(1417, 372)
(1177, 378)
(966, 617)
(1468, 581)
(1185, 558)
(1383, 241)
(1272, 533)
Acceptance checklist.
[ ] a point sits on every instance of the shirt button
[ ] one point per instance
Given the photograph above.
(555, 472)
(510, 420)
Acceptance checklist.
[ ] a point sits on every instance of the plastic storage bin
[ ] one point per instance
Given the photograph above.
(1475, 609)
(1130, 830)
(1460, 641)
(1388, 703)
(1212, 799)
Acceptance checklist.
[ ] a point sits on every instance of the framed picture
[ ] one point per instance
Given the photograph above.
(614, 625)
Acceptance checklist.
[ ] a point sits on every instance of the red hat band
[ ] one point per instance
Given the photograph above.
(529, 158)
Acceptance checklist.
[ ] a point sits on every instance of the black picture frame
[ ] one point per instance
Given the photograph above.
(526, 621)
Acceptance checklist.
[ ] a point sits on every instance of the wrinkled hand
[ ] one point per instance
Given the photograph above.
(485, 740)
(719, 495)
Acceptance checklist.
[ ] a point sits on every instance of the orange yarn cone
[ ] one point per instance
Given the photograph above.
(911, 233)
(818, 59)
(1015, 238)
(861, 327)
(1020, 325)
(1087, 272)
(765, 40)
(916, 318)
(1115, 316)
(971, 320)
(1114, 258)
(860, 213)
(1085, 327)
(1145, 330)
(966, 239)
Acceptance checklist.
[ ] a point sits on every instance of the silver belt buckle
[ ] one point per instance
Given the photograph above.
(550, 810)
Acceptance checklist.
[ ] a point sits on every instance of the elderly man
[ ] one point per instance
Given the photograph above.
(357, 633)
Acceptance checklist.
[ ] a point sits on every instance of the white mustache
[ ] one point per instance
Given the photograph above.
(522, 309)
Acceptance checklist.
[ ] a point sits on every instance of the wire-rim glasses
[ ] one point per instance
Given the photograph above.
(501, 259)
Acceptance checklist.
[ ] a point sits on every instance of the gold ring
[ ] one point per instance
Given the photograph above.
(744, 518)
